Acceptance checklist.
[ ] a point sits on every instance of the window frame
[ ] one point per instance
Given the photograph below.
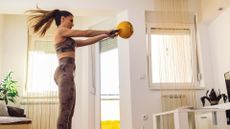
(195, 58)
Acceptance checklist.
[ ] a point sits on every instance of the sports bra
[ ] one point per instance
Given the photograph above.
(67, 45)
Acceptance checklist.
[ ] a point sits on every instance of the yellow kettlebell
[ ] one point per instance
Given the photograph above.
(125, 29)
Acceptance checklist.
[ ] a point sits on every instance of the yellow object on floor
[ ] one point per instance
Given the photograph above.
(110, 124)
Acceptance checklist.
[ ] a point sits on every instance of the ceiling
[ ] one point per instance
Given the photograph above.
(83, 7)
(210, 9)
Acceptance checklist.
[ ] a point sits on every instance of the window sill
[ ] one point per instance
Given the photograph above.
(176, 88)
(39, 100)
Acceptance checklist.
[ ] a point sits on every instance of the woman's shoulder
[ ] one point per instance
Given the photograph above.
(59, 34)
(60, 30)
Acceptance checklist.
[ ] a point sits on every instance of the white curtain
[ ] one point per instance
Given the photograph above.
(40, 96)
(173, 55)
(173, 52)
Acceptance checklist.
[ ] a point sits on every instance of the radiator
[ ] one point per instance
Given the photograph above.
(43, 114)
(173, 101)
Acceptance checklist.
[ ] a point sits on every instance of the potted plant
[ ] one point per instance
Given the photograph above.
(8, 89)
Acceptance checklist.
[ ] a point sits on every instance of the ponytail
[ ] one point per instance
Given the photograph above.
(41, 20)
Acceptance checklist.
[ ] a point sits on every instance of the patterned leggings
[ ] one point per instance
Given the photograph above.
(64, 78)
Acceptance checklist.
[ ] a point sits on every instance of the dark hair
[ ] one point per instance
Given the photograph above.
(41, 20)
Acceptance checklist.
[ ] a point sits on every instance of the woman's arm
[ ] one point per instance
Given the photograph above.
(91, 40)
(65, 32)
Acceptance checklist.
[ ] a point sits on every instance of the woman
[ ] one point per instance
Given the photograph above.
(65, 49)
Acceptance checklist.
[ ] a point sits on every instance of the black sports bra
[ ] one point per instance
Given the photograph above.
(66, 46)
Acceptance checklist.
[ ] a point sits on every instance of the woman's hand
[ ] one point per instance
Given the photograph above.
(113, 33)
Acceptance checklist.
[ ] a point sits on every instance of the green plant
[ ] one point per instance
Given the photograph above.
(8, 89)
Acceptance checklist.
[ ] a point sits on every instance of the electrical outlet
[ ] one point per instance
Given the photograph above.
(144, 117)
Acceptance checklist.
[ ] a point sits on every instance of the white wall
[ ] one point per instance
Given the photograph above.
(218, 45)
(126, 116)
(14, 47)
(205, 58)
(1, 42)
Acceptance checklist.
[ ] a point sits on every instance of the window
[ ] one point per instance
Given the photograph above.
(109, 78)
(42, 62)
(172, 57)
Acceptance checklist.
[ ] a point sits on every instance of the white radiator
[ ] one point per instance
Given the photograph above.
(42, 113)
(173, 101)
